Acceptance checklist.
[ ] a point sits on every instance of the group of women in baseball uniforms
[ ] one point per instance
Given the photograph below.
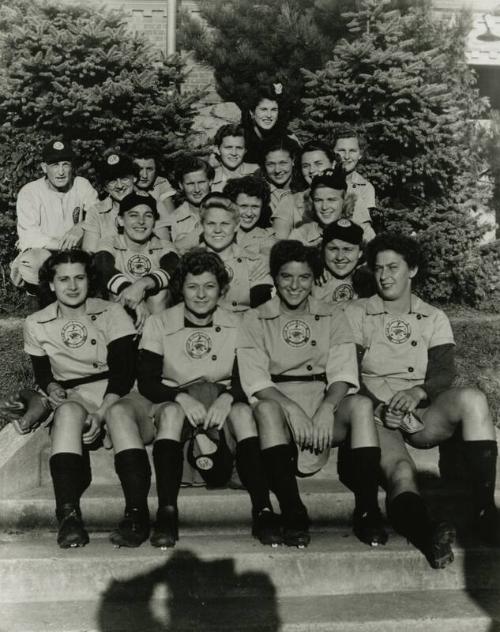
(232, 333)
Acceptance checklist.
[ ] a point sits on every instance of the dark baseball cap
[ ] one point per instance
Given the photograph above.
(116, 166)
(136, 199)
(57, 150)
(345, 230)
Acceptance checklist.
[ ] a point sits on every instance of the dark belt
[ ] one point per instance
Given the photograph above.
(314, 377)
(78, 381)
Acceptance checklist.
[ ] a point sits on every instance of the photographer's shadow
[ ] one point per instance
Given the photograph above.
(187, 593)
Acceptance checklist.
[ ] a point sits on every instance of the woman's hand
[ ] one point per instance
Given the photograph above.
(218, 412)
(323, 426)
(133, 294)
(193, 409)
(301, 426)
(406, 401)
(56, 394)
(92, 428)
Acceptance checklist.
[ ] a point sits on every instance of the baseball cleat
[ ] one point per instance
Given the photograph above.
(72, 532)
(166, 528)
(296, 530)
(132, 531)
(266, 527)
(439, 553)
(368, 527)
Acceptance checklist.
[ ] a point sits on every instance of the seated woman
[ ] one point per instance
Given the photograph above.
(292, 211)
(407, 368)
(185, 368)
(341, 251)
(297, 363)
(250, 283)
(117, 175)
(251, 195)
(329, 202)
(135, 266)
(83, 352)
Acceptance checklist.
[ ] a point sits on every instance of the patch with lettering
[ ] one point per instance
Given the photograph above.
(296, 333)
(397, 331)
(198, 345)
(74, 334)
(343, 292)
(139, 265)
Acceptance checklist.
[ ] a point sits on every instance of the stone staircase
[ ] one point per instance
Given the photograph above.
(218, 577)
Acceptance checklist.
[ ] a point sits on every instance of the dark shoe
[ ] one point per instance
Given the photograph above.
(71, 532)
(133, 530)
(488, 526)
(266, 527)
(438, 552)
(166, 529)
(369, 527)
(296, 530)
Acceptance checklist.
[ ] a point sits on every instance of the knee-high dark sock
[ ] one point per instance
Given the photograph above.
(251, 472)
(365, 476)
(408, 515)
(134, 472)
(86, 470)
(345, 465)
(279, 463)
(66, 469)
(481, 458)
(168, 459)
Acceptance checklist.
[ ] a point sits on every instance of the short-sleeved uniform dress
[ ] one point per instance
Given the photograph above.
(299, 354)
(332, 290)
(396, 345)
(77, 346)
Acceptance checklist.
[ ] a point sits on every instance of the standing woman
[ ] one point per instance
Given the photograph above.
(252, 196)
(83, 352)
(297, 363)
(264, 121)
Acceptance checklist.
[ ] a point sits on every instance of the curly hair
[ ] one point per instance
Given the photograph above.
(284, 143)
(190, 165)
(288, 250)
(231, 129)
(48, 271)
(253, 186)
(257, 96)
(403, 245)
(317, 145)
(197, 261)
(218, 200)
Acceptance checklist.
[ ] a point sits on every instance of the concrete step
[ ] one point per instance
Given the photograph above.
(34, 569)
(328, 502)
(412, 611)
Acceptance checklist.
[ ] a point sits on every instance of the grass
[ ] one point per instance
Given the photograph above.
(478, 354)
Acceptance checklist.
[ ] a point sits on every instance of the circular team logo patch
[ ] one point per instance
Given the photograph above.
(343, 292)
(113, 159)
(397, 331)
(345, 223)
(198, 345)
(74, 334)
(296, 333)
(230, 272)
(58, 145)
(139, 265)
(204, 463)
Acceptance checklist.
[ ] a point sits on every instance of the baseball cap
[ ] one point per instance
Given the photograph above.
(331, 178)
(116, 166)
(136, 198)
(57, 150)
(345, 230)
(208, 452)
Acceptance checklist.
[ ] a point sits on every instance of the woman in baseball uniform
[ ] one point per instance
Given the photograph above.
(83, 352)
(134, 265)
(249, 280)
(184, 375)
(407, 368)
(251, 195)
(297, 363)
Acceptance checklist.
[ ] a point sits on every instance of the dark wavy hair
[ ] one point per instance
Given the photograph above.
(48, 271)
(253, 186)
(231, 129)
(317, 145)
(258, 95)
(288, 250)
(197, 261)
(190, 165)
(404, 245)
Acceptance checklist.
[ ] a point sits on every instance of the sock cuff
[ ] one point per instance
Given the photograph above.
(248, 442)
(65, 461)
(134, 457)
(166, 445)
(482, 444)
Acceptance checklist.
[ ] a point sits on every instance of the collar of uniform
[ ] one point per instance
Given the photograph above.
(51, 312)
(106, 205)
(357, 179)
(173, 318)
(375, 306)
(154, 243)
(183, 212)
(239, 252)
(271, 309)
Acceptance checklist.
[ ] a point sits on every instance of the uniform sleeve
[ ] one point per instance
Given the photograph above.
(122, 354)
(31, 343)
(365, 200)
(42, 371)
(149, 376)
(119, 323)
(441, 370)
(442, 333)
(168, 263)
(110, 277)
(91, 222)
(88, 194)
(342, 364)
(253, 360)
(354, 313)
(28, 222)
(152, 335)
